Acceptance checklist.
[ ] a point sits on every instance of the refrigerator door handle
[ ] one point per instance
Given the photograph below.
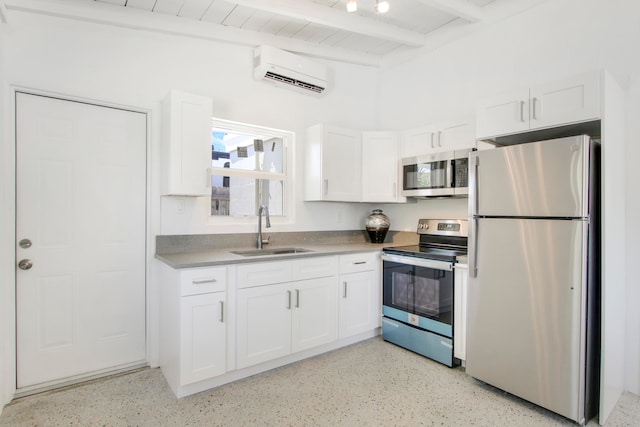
(473, 211)
(473, 185)
(472, 248)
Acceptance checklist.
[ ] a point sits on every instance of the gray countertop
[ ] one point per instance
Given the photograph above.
(213, 257)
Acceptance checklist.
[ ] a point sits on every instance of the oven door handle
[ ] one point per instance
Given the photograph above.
(419, 262)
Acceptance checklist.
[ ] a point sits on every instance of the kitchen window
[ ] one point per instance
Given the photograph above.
(248, 169)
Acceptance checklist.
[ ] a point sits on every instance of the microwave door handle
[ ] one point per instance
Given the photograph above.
(451, 176)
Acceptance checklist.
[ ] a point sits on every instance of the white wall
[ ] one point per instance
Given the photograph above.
(137, 69)
(7, 239)
(553, 40)
(632, 366)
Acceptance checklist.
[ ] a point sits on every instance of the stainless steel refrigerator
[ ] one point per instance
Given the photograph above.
(534, 287)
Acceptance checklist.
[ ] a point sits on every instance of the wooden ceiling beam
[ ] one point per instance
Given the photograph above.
(336, 18)
(105, 13)
(461, 9)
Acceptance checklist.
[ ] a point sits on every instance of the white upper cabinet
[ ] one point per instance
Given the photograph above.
(380, 168)
(186, 139)
(571, 100)
(333, 164)
(439, 137)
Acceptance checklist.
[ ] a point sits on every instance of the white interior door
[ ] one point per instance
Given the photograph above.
(81, 202)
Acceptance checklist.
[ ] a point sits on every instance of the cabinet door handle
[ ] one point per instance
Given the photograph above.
(203, 281)
(344, 295)
(522, 111)
(288, 300)
(297, 298)
(533, 108)
(439, 138)
(326, 187)
(221, 311)
(432, 146)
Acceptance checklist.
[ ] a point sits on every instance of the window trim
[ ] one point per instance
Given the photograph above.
(287, 177)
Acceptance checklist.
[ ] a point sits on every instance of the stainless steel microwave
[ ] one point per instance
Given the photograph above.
(436, 175)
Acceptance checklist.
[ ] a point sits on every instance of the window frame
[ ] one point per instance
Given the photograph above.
(287, 176)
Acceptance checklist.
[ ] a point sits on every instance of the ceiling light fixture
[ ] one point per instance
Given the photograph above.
(382, 6)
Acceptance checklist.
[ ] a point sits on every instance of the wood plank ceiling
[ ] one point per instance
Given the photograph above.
(320, 28)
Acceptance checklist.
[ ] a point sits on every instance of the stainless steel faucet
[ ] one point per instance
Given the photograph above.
(262, 209)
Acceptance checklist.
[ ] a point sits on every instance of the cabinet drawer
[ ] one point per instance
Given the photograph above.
(311, 268)
(263, 273)
(203, 280)
(353, 263)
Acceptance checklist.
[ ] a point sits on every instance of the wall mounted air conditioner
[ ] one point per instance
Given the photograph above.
(289, 70)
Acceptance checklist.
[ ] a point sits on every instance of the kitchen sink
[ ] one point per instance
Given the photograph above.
(271, 251)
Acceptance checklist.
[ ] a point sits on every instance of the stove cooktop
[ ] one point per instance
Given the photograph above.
(426, 252)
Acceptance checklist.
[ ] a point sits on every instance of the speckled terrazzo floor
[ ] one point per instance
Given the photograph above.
(372, 383)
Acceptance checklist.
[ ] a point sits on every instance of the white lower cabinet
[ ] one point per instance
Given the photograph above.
(314, 313)
(360, 293)
(193, 325)
(202, 337)
(264, 324)
(276, 319)
(220, 324)
(461, 278)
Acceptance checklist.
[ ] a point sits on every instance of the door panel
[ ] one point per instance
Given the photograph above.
(524, 330)
(81, 200)
(536, 179)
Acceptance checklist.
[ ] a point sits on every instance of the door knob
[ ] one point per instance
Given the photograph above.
(25, 264)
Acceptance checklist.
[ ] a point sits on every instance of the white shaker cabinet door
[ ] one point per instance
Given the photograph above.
(202, 337)
(315, 312)
(456, 135)
(186, 138)
(359, 303)
(570, 100)
(503, 114)
(380, 167)
(418, 141)
(333, 164)
(562, 102)
(263, 323)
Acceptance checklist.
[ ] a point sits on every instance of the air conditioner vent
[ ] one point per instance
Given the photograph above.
(291, 81)
(289, 70)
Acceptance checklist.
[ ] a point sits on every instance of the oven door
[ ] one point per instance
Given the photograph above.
(418, 292)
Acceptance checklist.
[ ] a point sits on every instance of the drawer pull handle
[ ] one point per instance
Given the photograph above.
(221, 311)
(360, 262)
(203, 281)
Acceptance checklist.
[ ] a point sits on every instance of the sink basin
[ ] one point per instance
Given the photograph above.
(271, 251)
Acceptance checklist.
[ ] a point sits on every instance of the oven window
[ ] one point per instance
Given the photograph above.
(426, 292)
(427, 295)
